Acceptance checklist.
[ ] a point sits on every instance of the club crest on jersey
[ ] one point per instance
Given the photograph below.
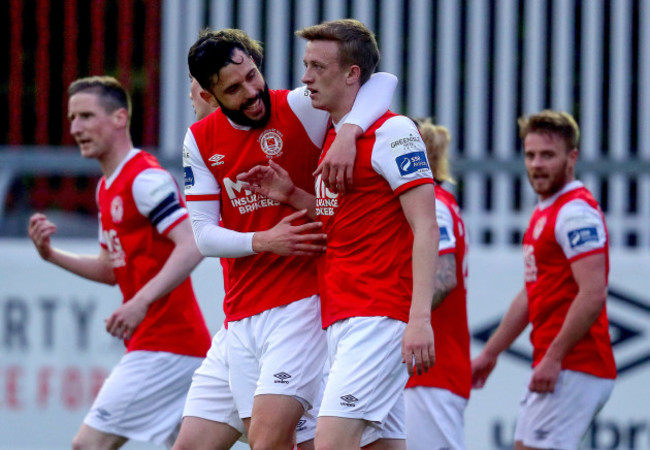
(539, 226)
(271, 143)
(117, 209)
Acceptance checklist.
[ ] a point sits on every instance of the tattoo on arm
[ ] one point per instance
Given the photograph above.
(445, 279)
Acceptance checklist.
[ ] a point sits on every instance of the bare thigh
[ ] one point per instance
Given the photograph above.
(91, 438)
(203, 434)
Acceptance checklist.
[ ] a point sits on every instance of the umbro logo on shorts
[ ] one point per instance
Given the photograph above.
(349, 400)
(541, 434)
(282, 377)
(102, 414)
(301, 425)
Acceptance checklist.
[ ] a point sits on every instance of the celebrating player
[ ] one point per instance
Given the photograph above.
(382, 241)
(275, 344)
(147, 248)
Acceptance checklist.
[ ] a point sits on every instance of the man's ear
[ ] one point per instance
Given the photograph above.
(209, 98)
(354, 74)
(121, 117)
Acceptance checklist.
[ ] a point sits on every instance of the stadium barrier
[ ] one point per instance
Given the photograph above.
(54, 352)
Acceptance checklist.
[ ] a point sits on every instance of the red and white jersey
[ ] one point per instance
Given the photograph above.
(215, 151)
(452, 370)
(366, 270)
(138, 206)
(563, 229)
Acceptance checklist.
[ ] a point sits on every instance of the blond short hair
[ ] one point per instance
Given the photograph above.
(437, 139)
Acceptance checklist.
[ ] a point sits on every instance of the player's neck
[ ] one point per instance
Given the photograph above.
(344, 105)
(112, 159)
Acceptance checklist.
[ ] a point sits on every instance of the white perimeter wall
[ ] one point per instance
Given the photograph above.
(54, 351)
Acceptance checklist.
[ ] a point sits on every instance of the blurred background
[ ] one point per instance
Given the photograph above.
(474, 66)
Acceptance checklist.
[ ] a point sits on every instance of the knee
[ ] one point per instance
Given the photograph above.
(80, 443)
(270, 441)
(324, 445)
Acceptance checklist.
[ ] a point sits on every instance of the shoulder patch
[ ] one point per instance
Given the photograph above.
(444, 234)
(411, 163)
(189, 177)
(581, 236)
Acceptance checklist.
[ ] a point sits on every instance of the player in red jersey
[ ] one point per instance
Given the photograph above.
(436, 400)
(566, 266)
(147, 248)
(276, 347)
(381, 249)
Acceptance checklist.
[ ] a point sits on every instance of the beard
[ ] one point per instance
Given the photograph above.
(240, 118)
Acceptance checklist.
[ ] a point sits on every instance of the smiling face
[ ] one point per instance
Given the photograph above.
(241, 91)
(549, 162)
(92, 126)
(325, 78)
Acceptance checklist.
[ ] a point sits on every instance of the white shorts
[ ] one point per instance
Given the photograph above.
(143, 397)
(367, 376)
(434, 419)
(280, 351)
(209, 396)
(559, 419)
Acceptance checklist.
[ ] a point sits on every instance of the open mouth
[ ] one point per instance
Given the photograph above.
(255, 107)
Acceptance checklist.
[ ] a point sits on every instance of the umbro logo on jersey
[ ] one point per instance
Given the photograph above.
(216, 159)
(349, 400)
(282, 377)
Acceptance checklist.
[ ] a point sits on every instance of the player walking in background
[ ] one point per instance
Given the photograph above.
(276, 346)
(566, 267)
(147, 248)
(436, 400)
(381, 249)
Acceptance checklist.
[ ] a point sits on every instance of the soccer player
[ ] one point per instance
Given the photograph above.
(147, 248)
(382, 240)
(565, 287)
(210, 418)
(436, 400)
(275, 344)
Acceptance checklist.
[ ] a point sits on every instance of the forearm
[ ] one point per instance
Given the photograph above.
(511, 326)
(425, 260)
(182, 260)
(581, 316)
(445, 278)
(93, 267)
(301, 199)
(373, 100)
(213, 240)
